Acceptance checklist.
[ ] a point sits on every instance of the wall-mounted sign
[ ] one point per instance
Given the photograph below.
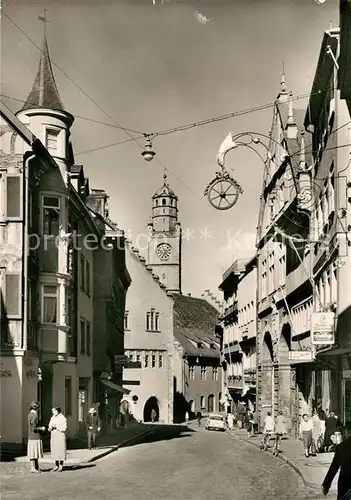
(322, 328)
(302, 356)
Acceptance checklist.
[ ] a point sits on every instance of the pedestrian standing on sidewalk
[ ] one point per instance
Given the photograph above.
(35, 444)
(153, 415)
(342, 461)
(322, 436)
(306, 433)
(58, 427)
(230, 421)
(280, 431)
(331, 426)
(93, 424)
(316, 432)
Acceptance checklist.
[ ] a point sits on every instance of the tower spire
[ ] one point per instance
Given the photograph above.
(282, 82)
(44, 93)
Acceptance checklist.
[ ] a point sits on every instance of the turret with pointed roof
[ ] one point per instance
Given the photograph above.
(44, 93)
(44, 113)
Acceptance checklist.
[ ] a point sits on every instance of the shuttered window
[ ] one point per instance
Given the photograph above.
(12, 294)
(13, 197)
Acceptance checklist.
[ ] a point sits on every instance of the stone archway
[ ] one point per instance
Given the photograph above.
(267, 376)
(211, 403)
(150, 405)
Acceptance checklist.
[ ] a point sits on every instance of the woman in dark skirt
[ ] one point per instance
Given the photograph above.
(35, 445)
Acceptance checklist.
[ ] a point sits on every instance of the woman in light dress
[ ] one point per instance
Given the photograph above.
(230, 420)
(58, 427)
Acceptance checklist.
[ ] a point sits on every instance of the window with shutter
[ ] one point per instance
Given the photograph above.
(13, 197)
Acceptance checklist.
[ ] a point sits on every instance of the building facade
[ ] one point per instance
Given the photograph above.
(47, 265)
(197, 372)
(303, 246)
(148, 334)
(239, 322)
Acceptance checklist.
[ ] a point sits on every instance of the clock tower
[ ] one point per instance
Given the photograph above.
(165, 238)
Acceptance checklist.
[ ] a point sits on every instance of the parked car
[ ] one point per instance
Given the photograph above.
(215, 422)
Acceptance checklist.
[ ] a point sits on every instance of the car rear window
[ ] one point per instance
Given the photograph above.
(216, 417)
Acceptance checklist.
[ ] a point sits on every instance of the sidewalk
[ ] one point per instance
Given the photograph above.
(312, 470)
(79, 454)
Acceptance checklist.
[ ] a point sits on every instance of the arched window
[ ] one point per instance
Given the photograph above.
(219, 401)
(202, 402)
(191, 406)
(156, 203)
(210, 403)
(163, 201)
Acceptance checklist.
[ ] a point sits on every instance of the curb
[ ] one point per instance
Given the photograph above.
(71, 462)
(116, 447)
(281, 457)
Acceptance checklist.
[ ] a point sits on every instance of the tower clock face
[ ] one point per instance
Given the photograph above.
(164, 251)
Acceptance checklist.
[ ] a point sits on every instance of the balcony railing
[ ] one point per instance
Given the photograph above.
(250, 376)
(235, 381)
(231, 309)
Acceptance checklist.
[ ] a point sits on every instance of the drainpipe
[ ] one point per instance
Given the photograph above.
(28, 156)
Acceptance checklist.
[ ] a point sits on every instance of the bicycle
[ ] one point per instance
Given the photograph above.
(265, 441)
(276, 447)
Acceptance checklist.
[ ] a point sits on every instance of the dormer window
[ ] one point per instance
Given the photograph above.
(199, 345)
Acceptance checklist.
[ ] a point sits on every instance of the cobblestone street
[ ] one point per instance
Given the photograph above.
(169, 465)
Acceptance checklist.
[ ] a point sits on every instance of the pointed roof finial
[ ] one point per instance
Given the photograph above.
(44, 93)
(282, 82)
(165, 177)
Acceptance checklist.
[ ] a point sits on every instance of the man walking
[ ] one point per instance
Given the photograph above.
(342, 461)
(93, 427)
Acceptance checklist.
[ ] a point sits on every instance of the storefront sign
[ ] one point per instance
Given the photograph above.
(322, 328)
(301, 356)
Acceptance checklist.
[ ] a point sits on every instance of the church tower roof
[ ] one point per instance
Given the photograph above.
(44, 93)
(164, 190)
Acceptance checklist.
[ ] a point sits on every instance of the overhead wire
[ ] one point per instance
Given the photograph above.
(128, 131)
(125, 129)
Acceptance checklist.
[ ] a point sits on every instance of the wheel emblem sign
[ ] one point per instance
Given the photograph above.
(223, 192)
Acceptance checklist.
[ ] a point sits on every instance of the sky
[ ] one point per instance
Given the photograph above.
(153, 67)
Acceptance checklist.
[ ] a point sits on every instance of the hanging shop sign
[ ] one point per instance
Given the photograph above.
(301, 356)
(322, 328)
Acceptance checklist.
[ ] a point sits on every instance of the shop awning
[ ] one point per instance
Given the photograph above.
(115, 387)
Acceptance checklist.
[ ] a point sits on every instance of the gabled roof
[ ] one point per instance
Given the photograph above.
(44, 93)
(194, 321)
